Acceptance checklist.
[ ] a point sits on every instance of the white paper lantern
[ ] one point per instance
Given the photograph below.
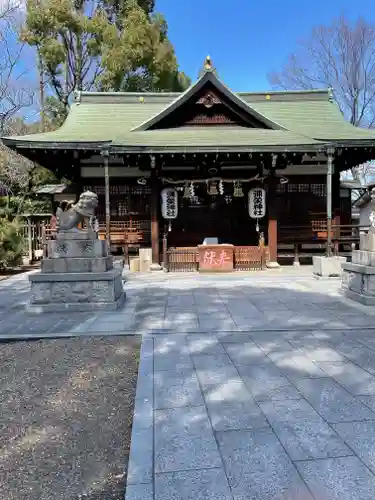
(257, 203)
(169, 203)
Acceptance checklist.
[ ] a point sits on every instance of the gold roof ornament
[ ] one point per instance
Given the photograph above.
(208, 67)
(208, 63)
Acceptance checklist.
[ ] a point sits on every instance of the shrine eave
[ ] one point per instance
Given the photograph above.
(19, 143)
(147, 150)
(113, 148)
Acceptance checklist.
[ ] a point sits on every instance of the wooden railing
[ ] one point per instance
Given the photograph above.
(182, 259)
(318, 232)
(344, 237)
(246, 258)
(127, 233)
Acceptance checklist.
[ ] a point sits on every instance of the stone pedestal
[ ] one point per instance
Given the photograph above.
(328, 267)
(358, 278)
(78, 275)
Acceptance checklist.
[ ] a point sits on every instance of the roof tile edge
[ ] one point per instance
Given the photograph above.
(164, 97)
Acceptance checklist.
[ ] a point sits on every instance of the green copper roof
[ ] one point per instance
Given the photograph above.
(296, 118)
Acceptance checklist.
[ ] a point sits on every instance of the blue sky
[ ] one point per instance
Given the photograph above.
(247, 39)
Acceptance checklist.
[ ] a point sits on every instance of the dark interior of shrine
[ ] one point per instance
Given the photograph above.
(219, 216)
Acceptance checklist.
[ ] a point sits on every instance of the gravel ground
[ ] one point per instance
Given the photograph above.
(65, 420)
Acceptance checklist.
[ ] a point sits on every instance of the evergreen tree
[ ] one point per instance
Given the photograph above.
(110, 45)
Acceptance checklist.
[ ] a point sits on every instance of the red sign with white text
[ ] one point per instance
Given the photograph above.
(216, 258)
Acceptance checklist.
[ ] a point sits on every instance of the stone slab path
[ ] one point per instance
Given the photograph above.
(250, 387)
(255, 416)
(179, 303)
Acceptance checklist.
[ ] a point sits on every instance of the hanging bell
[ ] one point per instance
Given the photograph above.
(237, 190)
(187, 193)
(212, 189)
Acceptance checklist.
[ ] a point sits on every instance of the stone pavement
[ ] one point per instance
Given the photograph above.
(160, 304)
(250, 387)
(255, 416)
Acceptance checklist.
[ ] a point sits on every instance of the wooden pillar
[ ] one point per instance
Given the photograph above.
(330, 153)
(336, 199)
(155, 208)
(272, 220)
(165, 247)
(107, 200)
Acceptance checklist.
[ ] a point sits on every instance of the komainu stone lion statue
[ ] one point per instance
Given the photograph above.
(83, 210)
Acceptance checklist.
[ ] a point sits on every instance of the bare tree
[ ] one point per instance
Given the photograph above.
(15, 170)
(340, 56)
(14, 94)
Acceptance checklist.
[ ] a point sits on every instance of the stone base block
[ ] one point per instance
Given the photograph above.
(358, 283)
(362, 299)
(77, 265)
(63, 248)
(76, 234)
(76, 306)
(63, 289)
(367, 241)
(363, 257)
(328, 267)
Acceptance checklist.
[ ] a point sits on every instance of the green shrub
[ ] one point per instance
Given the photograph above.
(14, 205)
(11, 242)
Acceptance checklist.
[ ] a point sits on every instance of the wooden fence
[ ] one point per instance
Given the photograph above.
(250, 258)
(182, 259)
(246, 258)
(35, 236)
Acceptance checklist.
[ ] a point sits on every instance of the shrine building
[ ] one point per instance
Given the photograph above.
(253, 175)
